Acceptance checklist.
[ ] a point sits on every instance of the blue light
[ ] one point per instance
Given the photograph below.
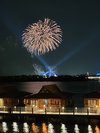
(97, 74)
(47, 71)
(50, 72)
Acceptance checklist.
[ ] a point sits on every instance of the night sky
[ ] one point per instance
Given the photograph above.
(79, 51)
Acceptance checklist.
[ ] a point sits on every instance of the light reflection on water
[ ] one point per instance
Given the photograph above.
(35, 128)
(25, 127)
(4, 127)
(50, 128)
(76, 128)
(16, 127)
(63, 128)
(44, 128)
(90, 130)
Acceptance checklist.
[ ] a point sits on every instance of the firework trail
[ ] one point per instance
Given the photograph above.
(42, 37)
(38, 70)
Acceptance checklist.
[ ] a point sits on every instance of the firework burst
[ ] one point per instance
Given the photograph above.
(42, 37)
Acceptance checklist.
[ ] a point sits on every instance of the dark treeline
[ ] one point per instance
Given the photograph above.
(27, 78)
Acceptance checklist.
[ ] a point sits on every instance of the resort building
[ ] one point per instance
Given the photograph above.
(12, 98)
(92, 99)
(50, 97)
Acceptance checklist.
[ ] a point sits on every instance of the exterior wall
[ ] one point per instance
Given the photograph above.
(8, 102)
(54, 102)
(91, 102)
(46, 103)
(1, 102)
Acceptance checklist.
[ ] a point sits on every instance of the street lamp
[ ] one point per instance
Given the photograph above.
(63, 109)
(45, 108)
(33, 108)
(75, 109)
(4, 108)
(14, 108)
(88, 110)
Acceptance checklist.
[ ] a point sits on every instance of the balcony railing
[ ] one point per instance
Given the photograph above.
(61, 111)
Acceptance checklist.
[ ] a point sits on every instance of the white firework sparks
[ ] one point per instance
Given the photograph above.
(41, 37)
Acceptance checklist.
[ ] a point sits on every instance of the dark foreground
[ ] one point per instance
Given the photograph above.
(49, 123)
(79, 119)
